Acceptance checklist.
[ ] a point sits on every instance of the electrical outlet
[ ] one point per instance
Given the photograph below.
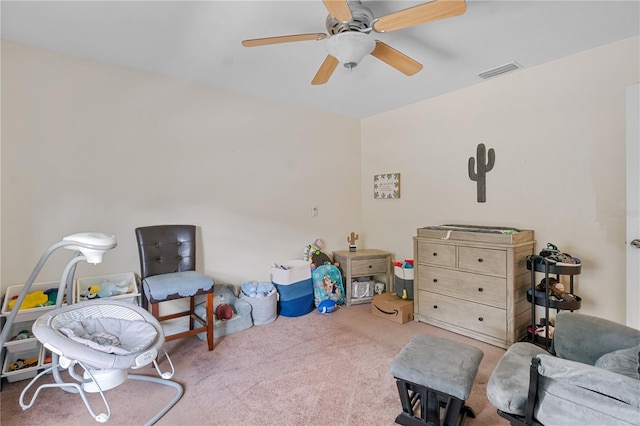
(314, 210)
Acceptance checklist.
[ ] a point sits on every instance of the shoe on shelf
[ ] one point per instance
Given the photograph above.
(553, 255)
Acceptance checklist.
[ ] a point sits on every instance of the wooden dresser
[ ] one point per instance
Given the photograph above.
(473, 283)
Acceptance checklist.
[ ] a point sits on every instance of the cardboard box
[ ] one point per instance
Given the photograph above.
(392, 307)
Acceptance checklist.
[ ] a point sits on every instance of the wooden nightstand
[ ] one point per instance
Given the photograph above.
(363, 263)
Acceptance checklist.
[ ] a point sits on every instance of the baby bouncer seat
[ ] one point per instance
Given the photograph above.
(104, 338)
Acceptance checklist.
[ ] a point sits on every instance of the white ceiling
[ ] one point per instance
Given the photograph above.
(200, 41)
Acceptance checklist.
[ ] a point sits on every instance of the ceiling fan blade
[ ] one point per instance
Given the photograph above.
(426, 12)
(326, 69)
(339, 9)
(396, 59)
(282, 39)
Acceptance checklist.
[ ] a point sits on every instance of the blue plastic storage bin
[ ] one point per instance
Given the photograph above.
(295, 299)
(293, 281)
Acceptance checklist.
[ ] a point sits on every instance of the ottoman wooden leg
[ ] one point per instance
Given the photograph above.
(421, 406)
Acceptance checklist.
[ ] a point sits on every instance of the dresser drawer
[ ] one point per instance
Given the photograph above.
(484, 289)
(361, 267)
(437, 254)
(471, 316)
(489, 261)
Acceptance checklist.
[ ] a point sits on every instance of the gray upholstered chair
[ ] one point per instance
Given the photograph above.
(168, 272)
(591, 376)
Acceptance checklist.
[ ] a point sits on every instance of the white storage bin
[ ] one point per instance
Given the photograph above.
(23, 344)
(121, 282)
(291, 272)
(23, 373)
(30, 314)
(264, 310)
(403, 273)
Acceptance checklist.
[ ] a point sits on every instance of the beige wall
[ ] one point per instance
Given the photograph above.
(558, 131)
(246, 170)
(88, 146)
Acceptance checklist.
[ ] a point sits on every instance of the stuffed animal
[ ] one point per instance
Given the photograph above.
(22, 335)
(314, 253)
(108, 288)
(31, 300)
(313, 249)
(105, 289)
(556, 289)
(52, 295)
(320, 259)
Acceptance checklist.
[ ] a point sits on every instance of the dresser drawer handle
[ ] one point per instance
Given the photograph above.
(435, 280)
(435, 306)
(480, 260)
(370, 266)
(480, 319)
(481, 289)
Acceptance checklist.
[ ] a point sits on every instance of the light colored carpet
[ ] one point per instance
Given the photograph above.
(311, 370)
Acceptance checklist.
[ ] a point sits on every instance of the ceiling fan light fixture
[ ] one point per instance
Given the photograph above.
(350, 47)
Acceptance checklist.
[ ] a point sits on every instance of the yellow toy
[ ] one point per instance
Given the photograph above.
(22, 363)
(31, 300)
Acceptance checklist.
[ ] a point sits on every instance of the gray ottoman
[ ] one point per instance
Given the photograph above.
(433, 373)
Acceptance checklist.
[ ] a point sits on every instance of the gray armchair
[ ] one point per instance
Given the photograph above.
(591, 376)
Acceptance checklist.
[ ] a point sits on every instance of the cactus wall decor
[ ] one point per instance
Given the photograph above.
(485, 164)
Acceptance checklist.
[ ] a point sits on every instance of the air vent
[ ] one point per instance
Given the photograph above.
(502, 69)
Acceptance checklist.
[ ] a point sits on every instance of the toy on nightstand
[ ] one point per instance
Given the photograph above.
(351, 239)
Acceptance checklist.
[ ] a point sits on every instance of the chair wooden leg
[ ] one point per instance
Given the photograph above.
(155, 310)
(145, 301)
(210, 321)
(192, 309)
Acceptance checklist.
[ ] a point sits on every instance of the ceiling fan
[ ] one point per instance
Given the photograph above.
(350, 24)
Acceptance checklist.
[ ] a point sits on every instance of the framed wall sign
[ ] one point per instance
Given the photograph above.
(386, 185)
